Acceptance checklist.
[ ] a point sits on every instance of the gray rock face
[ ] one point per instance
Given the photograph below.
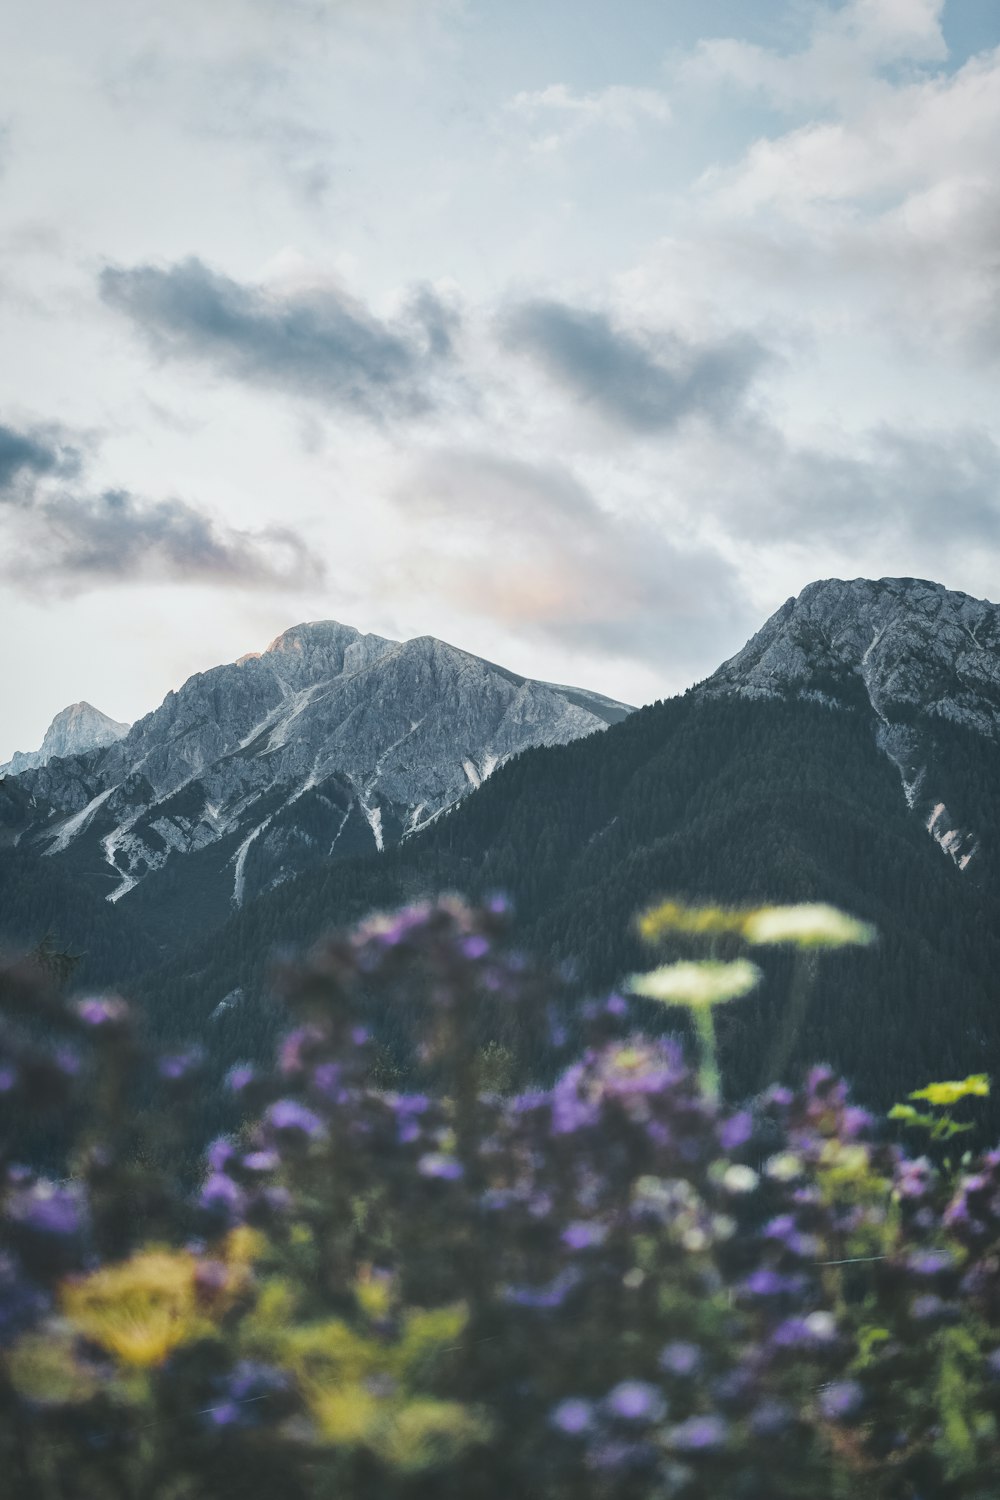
(328, 742)
(73, 731)
(910, 652)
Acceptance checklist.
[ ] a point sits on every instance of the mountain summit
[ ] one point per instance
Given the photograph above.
(73, 731)
(328, 742)
(920, 659)
(903, 644)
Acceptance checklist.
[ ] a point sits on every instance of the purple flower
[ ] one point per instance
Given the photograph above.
(816, 1331)
(47, 1224)
(240, 1077)
(223, 1199)
(475, 946)
(178, 1066)
(103, 1011)
(736, 1130)
(930, 1308)
(699, 1434)
(552, 1294)
(636, 1401)
(914, 1178)
(929, 1264)
(252, 1394)
(771, 1418)
(296, 1047)
(220, 1153)
(841, 1401)
(616, 1005)
(787, 1233)
(768, 1283)
(292, 1120)
(572, 1416)
(679, 1358)
(581, 1235)
(8, 1078)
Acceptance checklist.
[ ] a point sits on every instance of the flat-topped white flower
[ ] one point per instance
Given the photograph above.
(810, 925)
(697, 984)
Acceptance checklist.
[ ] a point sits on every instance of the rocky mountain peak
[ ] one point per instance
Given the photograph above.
(910, 652)
(905, 645)
(75, 729)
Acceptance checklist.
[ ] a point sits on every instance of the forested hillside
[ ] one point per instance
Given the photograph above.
(723, 800)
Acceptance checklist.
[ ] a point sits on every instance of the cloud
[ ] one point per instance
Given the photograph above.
(26, 455)
(847, 47)
(73, 539)
(644, 382)
(529, 547)
(557, 116)
(890, 491)
(317, 342)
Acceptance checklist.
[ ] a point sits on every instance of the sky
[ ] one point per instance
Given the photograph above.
(578, 333)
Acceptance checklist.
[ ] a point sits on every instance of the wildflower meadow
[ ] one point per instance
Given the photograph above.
(453, 1280)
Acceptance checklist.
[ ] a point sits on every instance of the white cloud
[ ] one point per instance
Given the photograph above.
(556, 116)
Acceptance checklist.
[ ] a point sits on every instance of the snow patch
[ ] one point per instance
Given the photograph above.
(77, 823)
(469, 767)
(240, 860)
(373, 816)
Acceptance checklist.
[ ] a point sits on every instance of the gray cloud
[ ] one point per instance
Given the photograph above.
(73, 539)
(938, 489)
(25, 455)
(647, 384)
(321, 343)
(529, 546)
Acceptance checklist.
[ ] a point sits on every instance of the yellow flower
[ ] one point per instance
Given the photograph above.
(976, 1086)
(811, 925)
(140, 1310)
(697, 984)
(699, 921)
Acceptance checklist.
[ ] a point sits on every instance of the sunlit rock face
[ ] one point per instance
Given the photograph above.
(73, 731)
(912, 654)
(329, 742)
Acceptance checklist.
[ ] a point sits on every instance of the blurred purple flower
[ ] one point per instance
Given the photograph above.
(636, 1401)
(699, 1434)
(680, 1359)
(290, 1119)
(841, 1400)
(572, 1416)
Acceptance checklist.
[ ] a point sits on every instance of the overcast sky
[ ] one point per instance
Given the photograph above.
(579, 333)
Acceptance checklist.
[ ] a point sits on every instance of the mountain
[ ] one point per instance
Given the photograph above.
(73, 731)
(328, 743)
(769, 782)
(913, 656)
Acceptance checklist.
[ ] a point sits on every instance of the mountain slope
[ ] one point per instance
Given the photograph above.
(915, 657)
(328, 743)
(725, 794)
(73, 731)
(719, 799)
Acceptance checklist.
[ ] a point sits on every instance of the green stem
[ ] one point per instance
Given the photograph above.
(708, 1072)
(800, 992)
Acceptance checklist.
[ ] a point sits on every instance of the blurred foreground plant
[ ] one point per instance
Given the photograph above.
(610, 1288)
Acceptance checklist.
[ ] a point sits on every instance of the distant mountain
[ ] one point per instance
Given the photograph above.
(328, 743)
(912, 656)
(73, 731)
